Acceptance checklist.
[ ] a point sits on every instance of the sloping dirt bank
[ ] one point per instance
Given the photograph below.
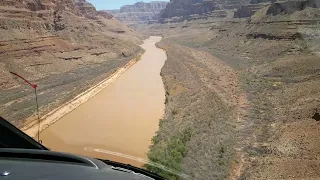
(203, 109)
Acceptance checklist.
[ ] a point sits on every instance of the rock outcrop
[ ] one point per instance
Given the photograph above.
(86, 9)
(290, 7)
(58, 44)
(262, 1)
(249, 10)
(275, 8)
(139, 12)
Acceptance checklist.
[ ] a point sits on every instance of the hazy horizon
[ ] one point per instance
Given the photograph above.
(104, 5)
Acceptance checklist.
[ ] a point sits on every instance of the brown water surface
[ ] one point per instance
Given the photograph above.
(119, 122)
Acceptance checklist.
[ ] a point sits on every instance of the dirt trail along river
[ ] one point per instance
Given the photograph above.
(119, 122)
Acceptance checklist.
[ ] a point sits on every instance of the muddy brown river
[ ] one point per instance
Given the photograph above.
(119, 122)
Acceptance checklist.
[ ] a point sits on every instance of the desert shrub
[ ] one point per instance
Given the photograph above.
(170, 154)
(174, 112)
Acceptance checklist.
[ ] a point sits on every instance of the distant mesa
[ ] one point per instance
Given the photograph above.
(140, 12)
(180, 10)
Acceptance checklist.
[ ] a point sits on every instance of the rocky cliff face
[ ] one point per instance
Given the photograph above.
(139, 12)
(290, 7)
(58, 44)
(77, 7)
(249, 10)
(184, 9)
(86, 9)
(261, 1)
(275, 8)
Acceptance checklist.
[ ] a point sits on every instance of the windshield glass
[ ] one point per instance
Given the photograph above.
(187, 89)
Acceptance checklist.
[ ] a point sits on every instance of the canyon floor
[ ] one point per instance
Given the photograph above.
(241, 95)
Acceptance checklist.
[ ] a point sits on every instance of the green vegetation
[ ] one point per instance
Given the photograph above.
(138, 58)
(167, 99)
(174, 112)
(170, 155)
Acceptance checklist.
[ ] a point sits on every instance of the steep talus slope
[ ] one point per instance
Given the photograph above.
(273, 62)
(62, 45)
(139, 12)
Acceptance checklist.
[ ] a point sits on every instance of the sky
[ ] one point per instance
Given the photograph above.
(114, 4)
